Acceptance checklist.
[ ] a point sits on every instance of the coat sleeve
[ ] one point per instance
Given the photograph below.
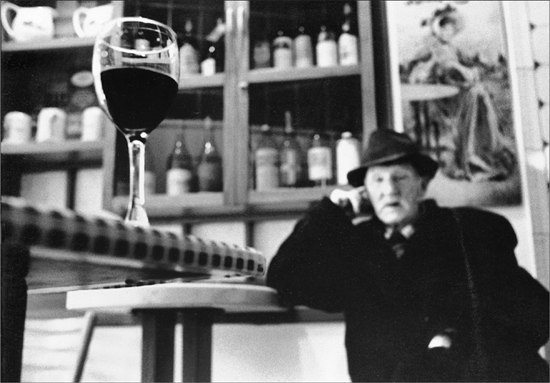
(514, 305)
(315, 266)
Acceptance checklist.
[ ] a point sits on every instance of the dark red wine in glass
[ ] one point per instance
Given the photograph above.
(138, 99)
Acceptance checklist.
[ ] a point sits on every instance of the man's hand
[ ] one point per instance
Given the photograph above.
(344, 198)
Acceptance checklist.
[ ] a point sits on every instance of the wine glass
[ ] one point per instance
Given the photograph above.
(136, 69)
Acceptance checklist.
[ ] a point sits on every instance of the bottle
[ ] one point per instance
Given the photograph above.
(347, 157)
(282, 51)
(265, 159)
(208, 65)
(327, 48)
(348, 49)
(319, 161)
(290, 156)
(215, 50)
(262, 53)
(189, 55)
(303, 50)
(209, 170)
(150, 177)
(179, 169)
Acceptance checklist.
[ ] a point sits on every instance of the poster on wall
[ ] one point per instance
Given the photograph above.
(455, 97)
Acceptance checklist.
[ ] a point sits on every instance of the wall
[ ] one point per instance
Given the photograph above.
(315, 352)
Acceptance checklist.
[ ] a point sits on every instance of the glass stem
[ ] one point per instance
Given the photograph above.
(136, 211)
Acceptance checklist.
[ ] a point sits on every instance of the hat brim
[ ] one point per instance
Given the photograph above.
(424, 165)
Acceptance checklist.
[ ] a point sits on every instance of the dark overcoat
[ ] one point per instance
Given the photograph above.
(458, 276)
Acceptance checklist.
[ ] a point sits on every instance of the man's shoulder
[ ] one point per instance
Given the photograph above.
(481, 226)
(465, 213)
(475, 223)
(477, 215)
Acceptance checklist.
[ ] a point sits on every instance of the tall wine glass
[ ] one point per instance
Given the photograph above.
(136, 70)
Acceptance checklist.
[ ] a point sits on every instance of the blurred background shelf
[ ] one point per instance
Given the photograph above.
(299, 74)
(48, 45)
(56, 152)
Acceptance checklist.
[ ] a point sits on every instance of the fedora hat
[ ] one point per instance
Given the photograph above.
(388, 146)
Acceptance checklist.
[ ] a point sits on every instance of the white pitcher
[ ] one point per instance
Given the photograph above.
(29, 23)
(51, 125)
(87, 22)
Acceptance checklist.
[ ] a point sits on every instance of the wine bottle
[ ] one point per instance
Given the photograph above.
(214, 54)
(265, 159)
(319, 160)
(326, 48)
(179, 169)
(189, 56)
(282, 50)
(208, 65)
(347, 157)
(209, 170)
(290, 156)
(348, 50)
(303, 50)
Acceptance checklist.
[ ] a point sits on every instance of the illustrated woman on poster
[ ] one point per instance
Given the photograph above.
(481, 151)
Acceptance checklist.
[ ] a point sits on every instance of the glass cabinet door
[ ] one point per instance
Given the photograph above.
(304, 89)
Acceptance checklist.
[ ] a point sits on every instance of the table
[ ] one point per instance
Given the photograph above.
(66, 250)
(198, 304)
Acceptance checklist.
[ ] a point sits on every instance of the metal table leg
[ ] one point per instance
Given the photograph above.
(157, 363)
(197, 344)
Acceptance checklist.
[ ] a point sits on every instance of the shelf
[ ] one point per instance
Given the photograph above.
(208, 206)
(187, 205)
(200, 81)
(284, 195)
(47, 45)
(56, 151)
(257, 76)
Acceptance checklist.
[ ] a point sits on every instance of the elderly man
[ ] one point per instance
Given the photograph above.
(428, 293)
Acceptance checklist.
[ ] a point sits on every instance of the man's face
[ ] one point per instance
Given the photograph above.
(395, 192)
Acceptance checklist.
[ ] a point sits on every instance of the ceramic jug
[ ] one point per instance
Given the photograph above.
(87, 22)
(29, 23)
(51, 125)
(17, 127)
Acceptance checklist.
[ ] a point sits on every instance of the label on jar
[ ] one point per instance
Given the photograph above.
(327, 53)
(303, 51)
(319, 161)
(267, 173)
(282, 52)
(290, 168)
(210, 176)
(189, 60)
(82, 79)
(262, 55)
(347, 49)
(208, 67)
(178, 181)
